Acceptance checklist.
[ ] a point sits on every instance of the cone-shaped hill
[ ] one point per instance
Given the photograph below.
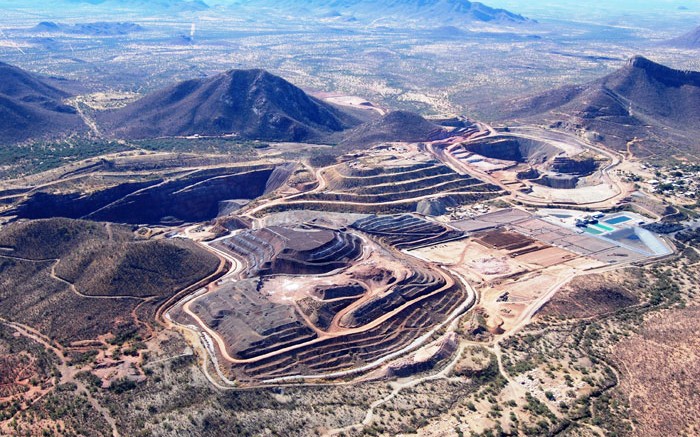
(250, 104)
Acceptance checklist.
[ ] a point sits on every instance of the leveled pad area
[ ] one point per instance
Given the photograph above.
(406, 231)
(513, 226)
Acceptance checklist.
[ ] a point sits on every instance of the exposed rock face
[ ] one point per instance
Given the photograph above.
(563, 164)
(419, 283)
(252, 104)
(559, 181)
(338, 291)
(531, 173)
(407, 231)
(192, 198)
(279, 250)
(508, 148)
(431, 207)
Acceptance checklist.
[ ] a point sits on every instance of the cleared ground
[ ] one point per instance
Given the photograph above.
(518, 260)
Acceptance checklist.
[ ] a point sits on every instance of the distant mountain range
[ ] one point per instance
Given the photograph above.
(100, 28)
(32, 107)
(644, 106)
(690, 40)
(425, 11)
(381, 13)
(172, 5)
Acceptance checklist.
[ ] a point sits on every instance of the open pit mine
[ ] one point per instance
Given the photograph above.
(366, 267)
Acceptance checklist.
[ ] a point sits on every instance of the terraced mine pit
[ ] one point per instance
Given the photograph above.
(407, 231)
(379, 181)
(279, 250)
(317, 303)
(537, 166)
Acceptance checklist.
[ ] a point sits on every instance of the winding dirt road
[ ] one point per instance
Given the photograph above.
(68, 373)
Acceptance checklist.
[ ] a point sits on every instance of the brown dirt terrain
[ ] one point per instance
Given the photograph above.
(593, 295)
(659, 367)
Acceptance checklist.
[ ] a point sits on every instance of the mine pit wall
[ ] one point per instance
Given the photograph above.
(340, 292)
(264, 253)
(510, 148)
(420, 284)
(561, 182)
(279, 176)
(407, 206)
(304, 263)
(286, 336)
(406, 232)
(382, 172)
(192, 198)
(321, 314)
(340, 181)
(566, 165)
(74, 205)
(186, 202)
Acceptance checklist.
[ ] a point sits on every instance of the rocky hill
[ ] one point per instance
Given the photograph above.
(644, 105)
(52, 270)
(250, 104)
(33, 107)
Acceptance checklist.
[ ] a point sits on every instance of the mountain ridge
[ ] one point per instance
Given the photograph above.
(643, 105)
(31, 107)
(169, 5)
(395, 126)
(97, 28)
